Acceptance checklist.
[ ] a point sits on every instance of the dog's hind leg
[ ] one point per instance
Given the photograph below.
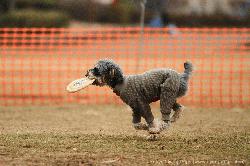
(178, 108)
(167, 100)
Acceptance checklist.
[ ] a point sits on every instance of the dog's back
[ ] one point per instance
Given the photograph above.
(147, 86)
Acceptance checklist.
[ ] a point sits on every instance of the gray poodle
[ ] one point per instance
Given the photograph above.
(138, 91)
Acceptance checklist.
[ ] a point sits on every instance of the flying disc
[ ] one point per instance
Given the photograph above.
(79, 84)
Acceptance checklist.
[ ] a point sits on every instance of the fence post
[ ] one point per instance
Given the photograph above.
(142, 20)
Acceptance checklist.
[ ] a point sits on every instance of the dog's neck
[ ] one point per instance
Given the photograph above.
(113, 83)
(119, 87)
(116, 80)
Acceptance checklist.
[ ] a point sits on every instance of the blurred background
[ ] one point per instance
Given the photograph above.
(64, 13)
(45, 44)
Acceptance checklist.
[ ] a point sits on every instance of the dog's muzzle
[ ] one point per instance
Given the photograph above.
(90, 74)
(98, 79)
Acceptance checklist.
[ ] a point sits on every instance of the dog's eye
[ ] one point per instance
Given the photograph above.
(96, 71)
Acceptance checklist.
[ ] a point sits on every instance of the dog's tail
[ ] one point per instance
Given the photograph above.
(184, 78)
(188, 66)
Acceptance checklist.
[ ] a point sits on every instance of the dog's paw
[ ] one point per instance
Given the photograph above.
(176, 115)
(140, 126)
(154, 130)
(154, 127)
(164, 125)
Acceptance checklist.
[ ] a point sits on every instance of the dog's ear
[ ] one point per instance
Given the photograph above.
(112, 73)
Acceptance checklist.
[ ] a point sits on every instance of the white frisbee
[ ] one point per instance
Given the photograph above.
(79, 84)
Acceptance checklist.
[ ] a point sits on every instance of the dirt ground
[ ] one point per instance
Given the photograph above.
(103, 135)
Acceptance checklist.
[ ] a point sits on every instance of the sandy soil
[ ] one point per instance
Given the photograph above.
(103, 135)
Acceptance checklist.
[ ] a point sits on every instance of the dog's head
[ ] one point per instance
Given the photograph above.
(106, 72)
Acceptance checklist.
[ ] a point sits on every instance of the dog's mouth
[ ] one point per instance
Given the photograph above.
(99, 80)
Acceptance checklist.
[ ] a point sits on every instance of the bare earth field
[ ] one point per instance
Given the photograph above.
(103, 135)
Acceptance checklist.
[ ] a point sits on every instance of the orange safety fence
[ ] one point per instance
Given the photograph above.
(36, 64)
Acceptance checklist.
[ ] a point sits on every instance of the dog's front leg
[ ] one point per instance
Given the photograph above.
(153, 126)
(177, 112)
(138, 125)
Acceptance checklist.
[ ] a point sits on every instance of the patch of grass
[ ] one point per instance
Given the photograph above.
(34, 18)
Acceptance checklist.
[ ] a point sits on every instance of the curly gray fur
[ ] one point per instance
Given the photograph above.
(138, 91)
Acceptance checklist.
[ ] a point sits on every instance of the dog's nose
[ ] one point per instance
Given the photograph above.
(90, 73)
(87, 73)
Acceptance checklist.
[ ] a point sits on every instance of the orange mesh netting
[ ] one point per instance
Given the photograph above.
(38, 63)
